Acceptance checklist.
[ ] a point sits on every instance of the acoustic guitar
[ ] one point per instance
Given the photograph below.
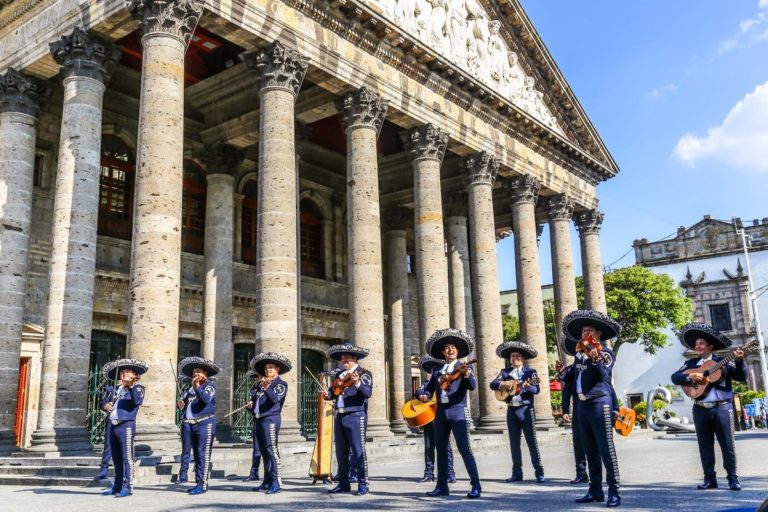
(713, 372)
(417, 413)
(506, 395)
(624, 421)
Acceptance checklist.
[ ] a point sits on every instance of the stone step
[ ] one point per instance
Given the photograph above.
(44, 481)
(51, 471)
(49, 461)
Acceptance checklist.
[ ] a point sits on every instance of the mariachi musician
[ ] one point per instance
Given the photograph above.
(199, 405)
(593, 373)
(520, 414)
(122, 402)
(267, 399)
(350, 390)
(451, 383)
(713, 411)
(571, 415)
(429, 364)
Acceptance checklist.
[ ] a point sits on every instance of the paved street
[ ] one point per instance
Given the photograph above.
(657, 474)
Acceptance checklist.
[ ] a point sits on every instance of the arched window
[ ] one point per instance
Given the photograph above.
(312, 253)
(193, 209)
(248, 230)
(115, 188)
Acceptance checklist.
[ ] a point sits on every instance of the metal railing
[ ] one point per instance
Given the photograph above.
(93, 415)
(242, 420)
(308, 400)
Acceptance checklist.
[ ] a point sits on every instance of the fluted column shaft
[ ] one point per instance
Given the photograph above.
(20, 98)
(86, 66)
(281, 71)
(153, 316)
(524, 191)
(363, 115)
(482, 169)
(457, 243)
(426, 146)
(560, 211)
(588, 223)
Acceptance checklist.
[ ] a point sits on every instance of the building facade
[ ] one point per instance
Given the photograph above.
(219, 178)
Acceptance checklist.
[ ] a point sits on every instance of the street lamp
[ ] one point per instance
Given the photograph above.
(753, 295)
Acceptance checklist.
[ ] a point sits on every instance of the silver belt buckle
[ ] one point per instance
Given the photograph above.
(115, 422)
(583, 397)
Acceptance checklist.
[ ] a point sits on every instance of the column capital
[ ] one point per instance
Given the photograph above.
(397, 218)
(523, 189)
(22, 93)
(481, 167)
(456, 204)
(81, 54)
(425, 142)
(175, 18)
(278, 66)
(221, 158)
(588, 221)
(362, 107)
(559, 207)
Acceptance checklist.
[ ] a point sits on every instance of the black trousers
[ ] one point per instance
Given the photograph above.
(710, 423)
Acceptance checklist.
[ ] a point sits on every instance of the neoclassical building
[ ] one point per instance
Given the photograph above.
(221, 177)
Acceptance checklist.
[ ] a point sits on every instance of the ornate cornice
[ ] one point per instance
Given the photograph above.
(397, 218)
(83, 55)
(588, 221)
(221, 158)
(559, 207)
(523, 189)
(362, 108)
(425, 142)
(278, 66)
(177, 18)
(482, 168)
(22, 93)
(456, 204)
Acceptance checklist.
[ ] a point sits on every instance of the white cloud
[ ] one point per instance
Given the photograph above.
(658, 92)
(751, 31)
(741, 141)
(763, 4)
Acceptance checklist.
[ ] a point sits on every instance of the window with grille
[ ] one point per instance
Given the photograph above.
(115, 188)
(720, 315)
(193, 209)
(248, 223)
(312, 253)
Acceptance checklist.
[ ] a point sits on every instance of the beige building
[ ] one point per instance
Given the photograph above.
(222, 177)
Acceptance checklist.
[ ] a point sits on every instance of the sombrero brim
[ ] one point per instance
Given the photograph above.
(259, 361)
(569, 345)
(186, 366)
(508, 347)
(577, 320)
(429, 364)
(336, 351)
(461, 340)
(110, 370)
(693, 331)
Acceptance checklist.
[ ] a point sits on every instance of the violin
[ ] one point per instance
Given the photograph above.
(445, 380)
(340, 384)
(588, 343)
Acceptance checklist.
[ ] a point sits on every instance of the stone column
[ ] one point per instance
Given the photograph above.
(560, 211)
(221, 162)
(362, 113)
(457, 239)
(426, 147)
(153, 316)
(238, 234)
(21, 97)
(86, 65)
(281, 71)
(523, 191)
(481, 171)
(397, 308)
(588, 223)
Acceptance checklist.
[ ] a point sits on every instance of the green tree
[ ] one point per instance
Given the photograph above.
(510, 326)
(643, 303)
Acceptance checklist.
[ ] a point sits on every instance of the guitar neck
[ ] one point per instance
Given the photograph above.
(730, 357)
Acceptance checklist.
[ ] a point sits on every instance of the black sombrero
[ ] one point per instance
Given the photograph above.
(576, 320)
(336, 351)
(508, 347)
(110, 370)
(188, 364)
(569, 344)
(439, 339)
(259, 361)
(695, 330)
(429, 364)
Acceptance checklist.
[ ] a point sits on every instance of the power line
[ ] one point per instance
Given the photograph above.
(611, 264)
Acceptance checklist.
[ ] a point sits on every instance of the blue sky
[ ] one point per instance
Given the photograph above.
(678, 90)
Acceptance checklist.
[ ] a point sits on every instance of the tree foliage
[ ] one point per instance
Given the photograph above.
(510, 326)
(644, 304)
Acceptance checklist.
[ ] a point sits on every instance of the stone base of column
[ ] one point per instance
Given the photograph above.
(156, 439)
(545, 423)
(378, 428)
(399, 427)
(290, 432)
(61, 442)
(8, 442)
(225, 434)
(491, 425)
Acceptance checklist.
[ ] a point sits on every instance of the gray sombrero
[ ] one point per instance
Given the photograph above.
(260, 360)
(188, 364)
(110, 370)
(576, 320)
(508, 347)
(695, 330)
(336, 351)
(439, 339)
(428, 363)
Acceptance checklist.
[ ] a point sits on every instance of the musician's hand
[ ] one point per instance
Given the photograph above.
(180, 404)
(355, 378)
(108, 407)
(466, 372)
(559, 366)
(566, 418)
(424, 398)
(508, 384)
(739, 354)
(697, 377)
(249, 405)
(593, 354)
(197, 382)
(526, 385)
